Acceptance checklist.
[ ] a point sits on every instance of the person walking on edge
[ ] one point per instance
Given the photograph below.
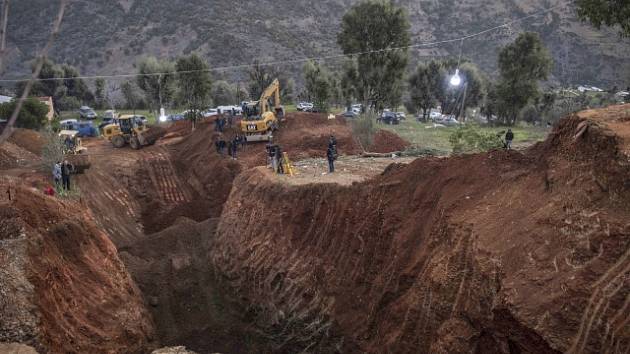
(509, 137)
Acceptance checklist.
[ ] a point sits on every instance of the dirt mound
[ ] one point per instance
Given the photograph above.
(179, 128)
(27, 139)
(386, 141)
(501, 252)
(14, 156)
(64, 288)
(306, 135)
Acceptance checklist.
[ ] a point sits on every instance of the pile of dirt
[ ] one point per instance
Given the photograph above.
(63, 286)
(385, 141)
(179, 128)
(29, 140)
(14, 156)
(306, 135)
(501, 252)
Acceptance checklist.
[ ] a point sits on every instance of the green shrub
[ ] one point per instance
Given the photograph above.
(363, 129)
(32, 115)
(468, 138)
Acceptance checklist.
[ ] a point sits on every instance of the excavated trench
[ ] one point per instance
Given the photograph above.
(499, 252)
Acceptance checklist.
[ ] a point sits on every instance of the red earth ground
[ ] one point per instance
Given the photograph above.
(64, 289)
(503, 252)
(498, 252)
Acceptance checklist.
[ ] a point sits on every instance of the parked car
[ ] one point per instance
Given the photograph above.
(305, 107)
(357, 108)
(350, 114)
(390, 118)
(449, 121)
(86, 112)
(176, 117)
(435, 115)
(209, 112)
(229, 109)
(110, 114)
(141, 119)
(83, 128)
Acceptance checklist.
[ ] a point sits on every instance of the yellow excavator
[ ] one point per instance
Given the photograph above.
(260, 118)
(128, 129)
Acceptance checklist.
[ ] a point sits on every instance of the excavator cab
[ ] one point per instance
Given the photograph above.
(260, 118)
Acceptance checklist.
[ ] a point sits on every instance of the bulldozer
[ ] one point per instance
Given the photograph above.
(260, 120)
(128, 129)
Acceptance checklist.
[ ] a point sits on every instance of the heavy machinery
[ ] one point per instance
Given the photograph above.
(74, 151)
(128, 129)
(260, 118)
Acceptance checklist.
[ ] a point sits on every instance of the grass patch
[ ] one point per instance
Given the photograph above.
(438, 138)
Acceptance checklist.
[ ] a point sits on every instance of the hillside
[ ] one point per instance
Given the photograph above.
(106, 37)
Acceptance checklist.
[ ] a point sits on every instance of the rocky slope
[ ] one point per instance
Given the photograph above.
(103, 37)
(501, 252)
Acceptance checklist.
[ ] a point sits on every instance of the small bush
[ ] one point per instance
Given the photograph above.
(363, 129)
(468, 138)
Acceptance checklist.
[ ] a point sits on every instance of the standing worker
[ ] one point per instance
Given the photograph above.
(57, 174)
(330, 155)
(509, 137)
(234, 148)
(66, 170)
(278, 159)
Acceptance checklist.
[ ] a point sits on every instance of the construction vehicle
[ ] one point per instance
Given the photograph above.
(74, 151)
(128, 129)
(260, 118)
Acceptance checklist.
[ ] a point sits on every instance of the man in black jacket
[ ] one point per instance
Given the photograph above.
(330, 155)
(509, 136)
(66, 170)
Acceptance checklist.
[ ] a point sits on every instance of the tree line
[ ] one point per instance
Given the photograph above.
(375, 35)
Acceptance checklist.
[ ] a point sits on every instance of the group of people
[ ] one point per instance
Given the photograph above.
(224, 119)
(61, 174)
(220, 123)
(230, 146)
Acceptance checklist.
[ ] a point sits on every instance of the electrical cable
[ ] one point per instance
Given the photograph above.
(301, 60)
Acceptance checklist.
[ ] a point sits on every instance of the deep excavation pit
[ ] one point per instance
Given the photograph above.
(499, 252)
(502, 252)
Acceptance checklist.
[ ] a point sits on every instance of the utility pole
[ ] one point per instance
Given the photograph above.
(463, 110)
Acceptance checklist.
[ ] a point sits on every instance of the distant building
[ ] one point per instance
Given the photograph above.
(51, 108)
(5, 99)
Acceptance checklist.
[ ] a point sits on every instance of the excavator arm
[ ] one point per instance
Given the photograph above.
(272, 91)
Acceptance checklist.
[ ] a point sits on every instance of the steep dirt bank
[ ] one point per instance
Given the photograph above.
(189, 302)
(499, 252)
(63, 287)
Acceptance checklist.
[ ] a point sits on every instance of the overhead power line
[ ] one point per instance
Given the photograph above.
(302, 60)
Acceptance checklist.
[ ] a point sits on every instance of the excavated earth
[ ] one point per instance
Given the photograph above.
(63, 287)
(503, 252)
